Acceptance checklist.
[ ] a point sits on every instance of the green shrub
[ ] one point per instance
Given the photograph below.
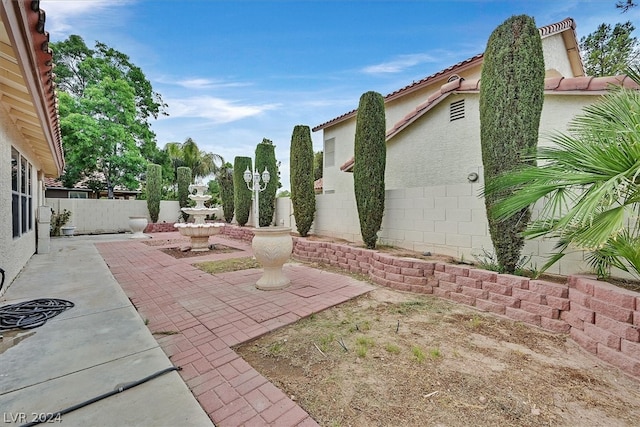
(370, 155)
(242, 195)
(266, 158)
(225, 179)
(184, 179)
(154, 190)
(511, 97)
(303, 197)
(58, 220)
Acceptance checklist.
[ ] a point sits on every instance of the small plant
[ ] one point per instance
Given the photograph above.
(488, 261)
(418, 354)
(325, 340)
(276, 347)
(392, 348)
(475, 322)
(435, 353)
(58, 220)
(363, 344)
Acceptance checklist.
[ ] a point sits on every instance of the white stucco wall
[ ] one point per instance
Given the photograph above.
(95, 216)
(14, 253)
(555, 55)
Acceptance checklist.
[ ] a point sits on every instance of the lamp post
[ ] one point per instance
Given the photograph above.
(253, 184)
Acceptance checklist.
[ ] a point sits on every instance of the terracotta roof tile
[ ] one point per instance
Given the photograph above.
(552, 85)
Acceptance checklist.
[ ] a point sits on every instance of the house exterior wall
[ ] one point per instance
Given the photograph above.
(15, 252)
(555, 55)
(430, 205)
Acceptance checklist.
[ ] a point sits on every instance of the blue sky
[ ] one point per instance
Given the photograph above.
(236, 71)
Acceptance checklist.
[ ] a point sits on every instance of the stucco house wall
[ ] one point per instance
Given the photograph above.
(14, 252)
(430, 203)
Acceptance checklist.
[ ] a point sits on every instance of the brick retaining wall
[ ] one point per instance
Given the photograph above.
(601, 318)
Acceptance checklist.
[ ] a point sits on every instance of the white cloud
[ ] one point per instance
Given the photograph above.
(399, 64)
(201, 83)
(62, 15)
(215, 109)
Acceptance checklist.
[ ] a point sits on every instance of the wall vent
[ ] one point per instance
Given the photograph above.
(456, 110)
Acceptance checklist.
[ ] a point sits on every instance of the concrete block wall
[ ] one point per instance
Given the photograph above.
(444, 219)
(601, 318)
(96, 216)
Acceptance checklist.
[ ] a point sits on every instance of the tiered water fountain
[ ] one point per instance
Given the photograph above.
(199, 230)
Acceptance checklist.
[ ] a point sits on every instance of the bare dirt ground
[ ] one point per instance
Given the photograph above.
(391, 358)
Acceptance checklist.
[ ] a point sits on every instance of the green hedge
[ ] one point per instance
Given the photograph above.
(301, 172)
(370, 155)
(266, 158)
(184, 179)
(242, 195)
(154, 190)
(511, 98)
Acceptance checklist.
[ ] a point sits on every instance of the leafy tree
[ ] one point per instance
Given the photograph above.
(588, 185)
(303, 196)
(242, 195)
(370, 155)
(511, 97)
(188, 154)
(224, 176)
(284, 193)
(607, 51)
(266, 159)
(154, 190)
(105, 106)
(318, 165)
(184, 179)
(96, 135)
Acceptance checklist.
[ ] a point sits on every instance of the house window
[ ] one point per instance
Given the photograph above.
(456, 110)
(77, 195)
(21, 194)
(329, 152)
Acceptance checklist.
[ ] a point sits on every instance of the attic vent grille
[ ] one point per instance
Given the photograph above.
(456, 110)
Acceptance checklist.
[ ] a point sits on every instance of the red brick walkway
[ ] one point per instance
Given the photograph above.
(213, 313)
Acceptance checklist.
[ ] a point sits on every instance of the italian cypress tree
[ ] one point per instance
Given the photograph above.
(511, 98)
(184, 179)
(154, 190)
(370, 155)
(303, 196)
(242, 195)
(225, 179)
(266, 158)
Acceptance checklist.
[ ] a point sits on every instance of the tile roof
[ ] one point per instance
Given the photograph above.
(28, 46)
(552, 85)
(546, 31)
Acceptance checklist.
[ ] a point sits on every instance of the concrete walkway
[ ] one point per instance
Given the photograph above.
(89, 350)
(196, 317)
(213, 313)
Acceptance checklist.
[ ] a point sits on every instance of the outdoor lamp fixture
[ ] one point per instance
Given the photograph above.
(253, 184)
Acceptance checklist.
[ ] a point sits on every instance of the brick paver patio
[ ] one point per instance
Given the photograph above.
(197, 317)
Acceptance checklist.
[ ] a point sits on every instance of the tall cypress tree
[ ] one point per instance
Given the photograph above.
(154, 190)
(266, 158)
(242, 195)
(511, 98)
(224, 176)
(303, 196)
(183, 174)
(370, 155)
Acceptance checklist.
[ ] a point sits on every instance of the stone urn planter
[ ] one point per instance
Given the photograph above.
(68, 230)
(137, 224)
(272, 247)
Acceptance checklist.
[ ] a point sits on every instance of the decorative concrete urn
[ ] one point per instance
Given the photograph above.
(272, 247)
(137, 224)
